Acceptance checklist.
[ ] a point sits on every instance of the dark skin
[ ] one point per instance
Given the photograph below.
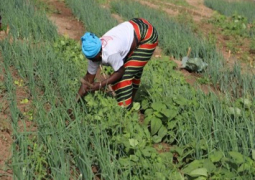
(84, 89)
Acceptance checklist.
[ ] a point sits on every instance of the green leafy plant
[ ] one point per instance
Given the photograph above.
(206, 136)
(252, 46)
(234, 25)
(228, 8)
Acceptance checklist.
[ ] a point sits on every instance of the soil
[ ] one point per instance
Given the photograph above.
(5, 130)
(6, 136)
(200, 15)
(68, 25)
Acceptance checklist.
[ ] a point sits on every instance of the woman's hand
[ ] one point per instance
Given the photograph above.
(84, 88)
(96, 86)
(82, 91)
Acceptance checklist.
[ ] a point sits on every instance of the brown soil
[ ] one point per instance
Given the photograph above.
(66, 23)
(6, 120)
(5, 123)
(200, 15)
(5, 126)
(200, 8)
(2, 35)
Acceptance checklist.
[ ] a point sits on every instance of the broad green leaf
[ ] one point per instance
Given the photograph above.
(238, 157)
(146, 152)
(147, 119)
(246, 102)
(171, 124)
(158, 106)
(134, 158)
(136, 106)
(216, 156)
(235, 111)
(158, 114)
(226, 173)
(154, 154)
(138, 153)
(181, 101)
(244, 167)
(167, 157)
(145, 163)
(166, 112)
(133, 142)
(196, 164)
(198, 172)
(148, 112)
(145, 104)
(178, 150)
(209, 166)
(81, 57)
(176, 176)
(124, 161)
(156, 139)
(156, 124)
(162, 131)
(172, 113)
(200, 178)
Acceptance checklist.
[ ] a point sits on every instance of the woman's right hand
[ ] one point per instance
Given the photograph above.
(82, 91)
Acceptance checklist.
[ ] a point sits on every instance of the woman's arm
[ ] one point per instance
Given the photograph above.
(114, 77)
(84, 88)
(89, 77)
(98, 85)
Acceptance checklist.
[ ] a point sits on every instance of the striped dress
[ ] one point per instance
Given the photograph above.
(147, 41)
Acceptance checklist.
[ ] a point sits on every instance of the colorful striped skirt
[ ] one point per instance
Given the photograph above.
(147, 40)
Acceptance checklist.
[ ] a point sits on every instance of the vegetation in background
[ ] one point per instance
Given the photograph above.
(31, 23)
(235, 25)
(44, 6)
(228, 8)
(252, 46)
(175, 39)
(237, 33)
(97, 23)
(176, 2)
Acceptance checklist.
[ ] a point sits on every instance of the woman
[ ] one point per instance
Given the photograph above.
(126, 47)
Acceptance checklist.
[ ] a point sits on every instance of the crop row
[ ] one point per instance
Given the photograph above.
(228, 8)
(23, 20)
(209, 138)
(174, 39)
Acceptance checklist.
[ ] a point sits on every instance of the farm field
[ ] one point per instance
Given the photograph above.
(184, 125)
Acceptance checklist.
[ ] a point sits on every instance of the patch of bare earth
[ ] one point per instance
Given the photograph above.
(6, 128)
(66, 23)
(5, 125)
(174, 10)
(200, 8)
(24, 124)
(200, 15)
(5, 138)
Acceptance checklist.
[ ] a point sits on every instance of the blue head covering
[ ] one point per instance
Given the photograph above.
(91, 45)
